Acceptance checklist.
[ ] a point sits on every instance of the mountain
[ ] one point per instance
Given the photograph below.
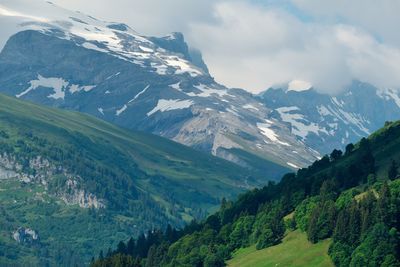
(160, 85)
(71, 184)
(343, 210)
(324, 122)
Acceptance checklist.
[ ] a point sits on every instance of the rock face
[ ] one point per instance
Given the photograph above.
(154, 84)
(75, 196)
(26, 236)
(325, 122)
(44, 172)
(7, 174)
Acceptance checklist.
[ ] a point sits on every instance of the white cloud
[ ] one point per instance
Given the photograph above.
(254, 48)
(255, 44)
(150, 17)
(380, 18)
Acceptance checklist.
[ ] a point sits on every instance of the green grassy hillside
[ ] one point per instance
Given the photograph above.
(145, 182)
(295, 250)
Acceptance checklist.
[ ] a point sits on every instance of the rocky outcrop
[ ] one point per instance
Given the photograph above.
(26, 236)
(7, 174)
(75, 196)
(45, 171)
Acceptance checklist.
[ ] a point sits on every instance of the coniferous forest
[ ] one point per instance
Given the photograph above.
(350, 198)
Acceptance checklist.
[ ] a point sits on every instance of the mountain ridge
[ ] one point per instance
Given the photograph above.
(110, 71)
(326, 121)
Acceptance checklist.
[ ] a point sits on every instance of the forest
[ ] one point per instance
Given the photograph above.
(350, 197)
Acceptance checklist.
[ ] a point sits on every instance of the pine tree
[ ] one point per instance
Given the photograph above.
(368, 161)
(140, 246)
(101, 255)
(393, 170)
(371, 179)
(130, 246)
(354, 230)
(349, 148)
(328, 190)
(336, 154)
(322, 221)
(340, 233)
(390, 261)
(121, 248)
(383, 205)
(312, 231)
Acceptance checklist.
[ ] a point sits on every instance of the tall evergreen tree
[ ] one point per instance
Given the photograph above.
(383, 205)
(336, 154)
(354, 229)
(349, 148)
(393, 170)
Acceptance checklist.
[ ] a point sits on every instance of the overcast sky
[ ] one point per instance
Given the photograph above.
(255, 44)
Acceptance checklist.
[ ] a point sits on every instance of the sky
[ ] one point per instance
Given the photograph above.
(257, 44)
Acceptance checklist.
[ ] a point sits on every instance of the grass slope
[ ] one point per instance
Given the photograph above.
(154, 156)
(295, 250)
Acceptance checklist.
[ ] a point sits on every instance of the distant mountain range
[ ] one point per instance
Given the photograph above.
(158, 85)
(324, 122)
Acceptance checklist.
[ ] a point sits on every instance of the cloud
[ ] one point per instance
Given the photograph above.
(257, 47)
(150, 17)
(377, 17)
(256, 44)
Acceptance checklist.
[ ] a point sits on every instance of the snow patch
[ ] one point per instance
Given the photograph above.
(160, 69)
(170, 104)
(146, 49)
(207, 92)
(293, 165)
(336, 101)
(57, 84)
(323, 111)
(121, 110)
(389, 94)
(182, 66)
(348, 118)
(249, 106)
(74, 88)
(176, 86)
(139, 94)
(232, 110)
(270, 134)
(92, 46)
(300, 126)
(114, 75)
